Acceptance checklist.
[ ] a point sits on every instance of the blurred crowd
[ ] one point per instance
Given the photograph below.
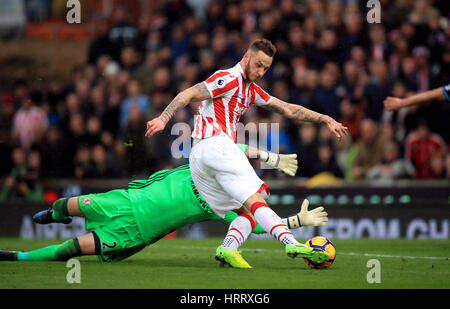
(329, 59)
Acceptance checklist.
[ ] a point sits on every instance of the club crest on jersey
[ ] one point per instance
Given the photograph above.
(86, 201)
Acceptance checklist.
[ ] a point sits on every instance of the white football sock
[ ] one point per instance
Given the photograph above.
(272, 223)
(238, 232)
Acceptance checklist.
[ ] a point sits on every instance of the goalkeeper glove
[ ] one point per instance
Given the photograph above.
(315, 217)
(286, 164)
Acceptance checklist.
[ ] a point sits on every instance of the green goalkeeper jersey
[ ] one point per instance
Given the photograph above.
(166, 201)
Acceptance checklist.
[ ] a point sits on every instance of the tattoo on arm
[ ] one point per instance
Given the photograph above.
(193, 94)
(176, 104)
(295, 112)
(200, 93)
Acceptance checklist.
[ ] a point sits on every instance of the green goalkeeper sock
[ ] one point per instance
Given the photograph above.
(60, 211)
(63, 252)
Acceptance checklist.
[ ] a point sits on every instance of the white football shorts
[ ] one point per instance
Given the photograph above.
(223, 175)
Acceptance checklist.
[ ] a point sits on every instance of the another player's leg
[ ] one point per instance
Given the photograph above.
(61, 211)
(83, 245)
(239, 230)
(273, 224)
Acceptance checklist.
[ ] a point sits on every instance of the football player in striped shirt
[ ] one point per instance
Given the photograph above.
(123, 222)
(221, 173)
(441, 93)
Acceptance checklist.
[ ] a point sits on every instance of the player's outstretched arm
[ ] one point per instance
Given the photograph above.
(300, 113)
(392, 103)
(196, 93)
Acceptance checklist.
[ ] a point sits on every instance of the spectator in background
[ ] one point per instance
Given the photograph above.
(71, 106)
(398, 118)
(423, 73)
(129, 59)
(437, 165)
(215, 15)
(408, 72)
(83, 89)
(436, 41)
(326, 96)
(221, 51)
(289, 15)
(207, 64)
(82, 162)
(133, 135)
(100, 166)
(325, 136)
(56, 158)
(295, 41)
(162, 80)
(379, 47)
(326, 161)
(110, 119)
(422, 12)
(391, 166)
(282, 139)
(144, 74)
(93, 130)
(369, 151)
(305, 83)
(353, 79)
(16, 175)
(97, 103)
(351, 116)
(29, 124)
(409, 31)
(135, 97)
(306, 148)
(113, 158)
(327, 50)
(400, 52)
(376, 90)
(398, 13)
(101, 45)
(122, 33)
(32, 188)
(23, 180)
(354, 34)
(443, 67)
(345, 152)
(77, 135)
(179, 43)
(20, 92)
(420, 146)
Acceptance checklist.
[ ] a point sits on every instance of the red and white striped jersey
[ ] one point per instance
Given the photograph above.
(231, 96)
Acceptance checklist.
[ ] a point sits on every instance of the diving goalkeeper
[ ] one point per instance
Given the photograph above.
(123, 222)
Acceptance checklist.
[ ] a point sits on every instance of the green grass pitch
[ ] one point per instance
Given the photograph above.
(190, 264)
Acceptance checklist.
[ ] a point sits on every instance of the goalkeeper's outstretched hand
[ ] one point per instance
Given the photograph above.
(286, 164)
(315, 217)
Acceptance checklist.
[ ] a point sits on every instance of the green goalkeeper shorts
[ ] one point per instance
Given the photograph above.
(110, 217)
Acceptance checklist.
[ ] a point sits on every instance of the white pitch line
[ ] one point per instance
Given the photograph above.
(396, 256)
(339, 253)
